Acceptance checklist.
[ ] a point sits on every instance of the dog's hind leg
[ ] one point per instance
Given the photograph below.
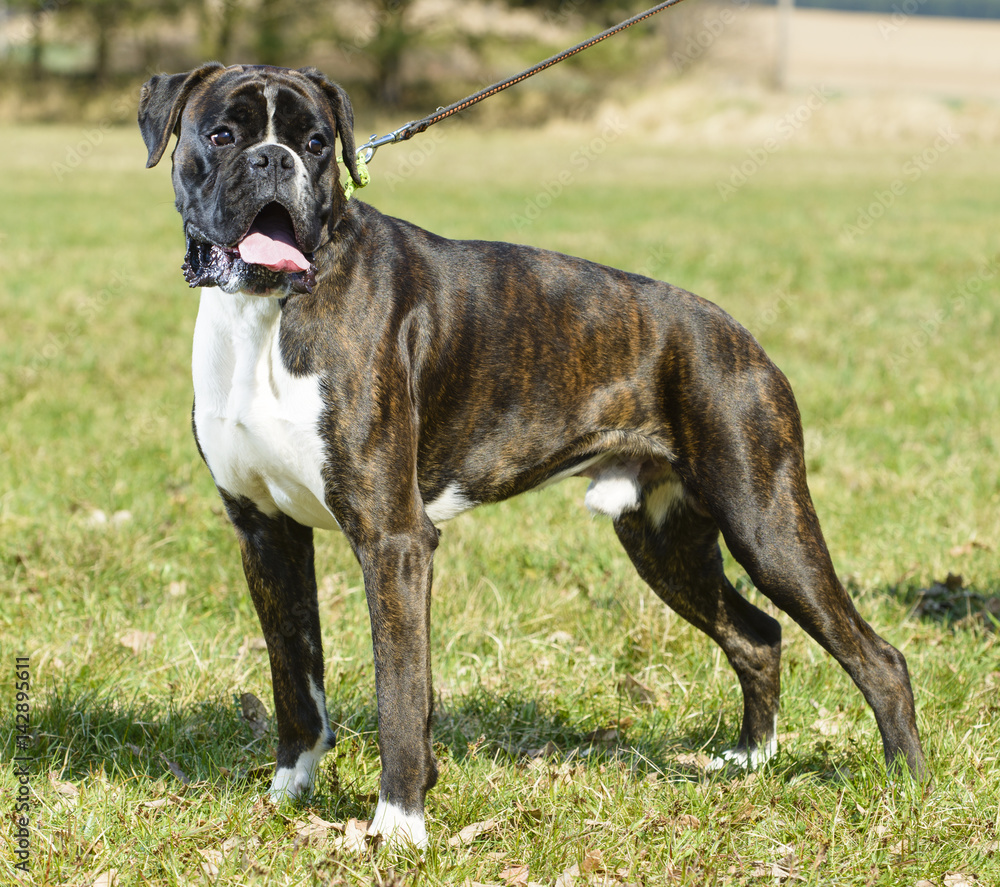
(753, 483)
(676, 551)
(278, 563)
(778, 541)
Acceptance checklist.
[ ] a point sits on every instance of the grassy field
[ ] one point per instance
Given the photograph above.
(574, 713)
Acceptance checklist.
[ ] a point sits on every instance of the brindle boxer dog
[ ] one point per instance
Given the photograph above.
(352, 370)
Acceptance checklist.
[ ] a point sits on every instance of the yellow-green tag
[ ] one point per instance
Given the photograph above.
(349, 185)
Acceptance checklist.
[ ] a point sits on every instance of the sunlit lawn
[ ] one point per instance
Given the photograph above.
(121, 580)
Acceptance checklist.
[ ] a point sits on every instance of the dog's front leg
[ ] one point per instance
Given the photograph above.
(397, 573)
(278, 563)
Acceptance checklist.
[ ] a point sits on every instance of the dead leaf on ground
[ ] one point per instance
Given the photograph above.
(593, 861)
(956, 879)
(176, 770)
(828, 723)
(969, 547)
(353, 839)
(313, 831)
(699, 760)
(472, 831)
(603, 736)
(533, 813)
(515, 876)
(568, 877)
(66, 789)
(774, 870)
(137, 641)
(255, 714)
(106, 879)
(155, 805)
(549, 750)
(637, 691)
(211, 858)
(250, 643)
(951, 600)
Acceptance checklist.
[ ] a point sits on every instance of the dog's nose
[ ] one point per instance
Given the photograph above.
(272, 156)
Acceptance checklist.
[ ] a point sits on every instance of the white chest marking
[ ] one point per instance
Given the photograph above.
(257, 424)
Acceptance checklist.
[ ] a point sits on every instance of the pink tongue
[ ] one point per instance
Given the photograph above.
(271, 243)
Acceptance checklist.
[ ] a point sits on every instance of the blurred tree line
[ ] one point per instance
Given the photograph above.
(415, 53)
(952, 8)
(98, 40)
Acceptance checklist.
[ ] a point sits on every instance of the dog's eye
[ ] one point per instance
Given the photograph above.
(222, 137)
(315, 145)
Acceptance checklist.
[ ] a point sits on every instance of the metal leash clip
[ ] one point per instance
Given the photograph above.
(375, 142)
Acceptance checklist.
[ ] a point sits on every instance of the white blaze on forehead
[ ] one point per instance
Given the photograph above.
(271, 136)
(271, 98)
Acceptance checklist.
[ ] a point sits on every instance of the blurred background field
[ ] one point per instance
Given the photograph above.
(845, 212)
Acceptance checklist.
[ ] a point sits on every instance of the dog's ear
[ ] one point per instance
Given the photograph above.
(160, 104)
(343, 114)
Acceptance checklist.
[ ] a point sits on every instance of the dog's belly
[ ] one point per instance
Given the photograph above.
(257, 424)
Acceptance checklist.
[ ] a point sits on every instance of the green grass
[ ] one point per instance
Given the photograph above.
(538, 617)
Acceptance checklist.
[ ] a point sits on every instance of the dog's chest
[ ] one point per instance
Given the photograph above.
(257, 424)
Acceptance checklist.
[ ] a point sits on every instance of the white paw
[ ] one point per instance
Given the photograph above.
(397, 827)
(751, 760)
(290, 783)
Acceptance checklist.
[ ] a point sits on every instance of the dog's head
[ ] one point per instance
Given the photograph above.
(254, 170)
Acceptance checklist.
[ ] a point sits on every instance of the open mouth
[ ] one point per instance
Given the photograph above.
(266, 259)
